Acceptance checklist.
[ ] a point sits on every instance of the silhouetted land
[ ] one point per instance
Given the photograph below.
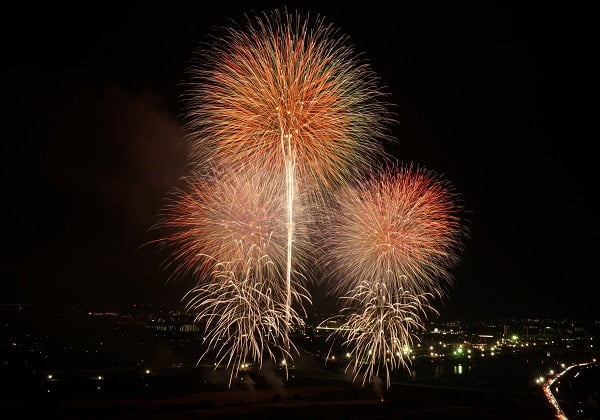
(141, 362)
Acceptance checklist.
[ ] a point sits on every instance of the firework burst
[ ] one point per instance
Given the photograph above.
(391, 243)
(286, 88)
(401, 228)
(225, 218)
(230, 233)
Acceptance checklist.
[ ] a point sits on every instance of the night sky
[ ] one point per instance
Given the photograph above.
(501, 101)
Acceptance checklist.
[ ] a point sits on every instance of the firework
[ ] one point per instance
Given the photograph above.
(286, 96)
(286, 113)
(230, 233)
(401, 228)
(378, 326)
(282, 89)
(245, 319)
(221, 218)
(392, 243)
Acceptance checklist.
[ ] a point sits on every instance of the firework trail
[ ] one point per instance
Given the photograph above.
(391, 244)
(230, 233)
(289, 97)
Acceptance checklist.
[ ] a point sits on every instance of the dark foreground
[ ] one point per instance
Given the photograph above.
(327, 401)
(81, 363)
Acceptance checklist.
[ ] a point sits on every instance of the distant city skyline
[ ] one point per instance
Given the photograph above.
(78, 360)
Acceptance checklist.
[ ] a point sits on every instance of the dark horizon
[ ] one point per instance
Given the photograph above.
(501, 101)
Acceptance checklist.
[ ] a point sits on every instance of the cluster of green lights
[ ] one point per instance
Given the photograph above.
(458, 352)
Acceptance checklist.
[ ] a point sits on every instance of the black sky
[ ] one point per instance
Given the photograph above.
(501, 100)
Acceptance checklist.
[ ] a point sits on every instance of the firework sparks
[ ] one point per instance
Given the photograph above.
(231, 235)
(378, 326)
(392, 243)
(244, 316)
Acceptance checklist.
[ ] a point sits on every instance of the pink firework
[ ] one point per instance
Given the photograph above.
(401, 228)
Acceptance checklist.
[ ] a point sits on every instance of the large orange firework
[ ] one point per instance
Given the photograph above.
(402, 228)
(283, 87)
(286, 96)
